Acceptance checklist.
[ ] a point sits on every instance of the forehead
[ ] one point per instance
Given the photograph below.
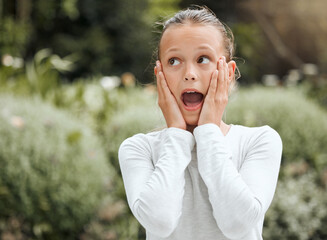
(194, 35)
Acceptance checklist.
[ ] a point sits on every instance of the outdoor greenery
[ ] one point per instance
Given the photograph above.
(125, 111)
(299, 209)
(53, 172)
(76, 79)
(301, 123)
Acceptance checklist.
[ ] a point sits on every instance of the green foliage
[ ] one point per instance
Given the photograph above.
(109, 37)
(249, 47)
(161, 9)
(137, 112)
(114, 221)
(102, 33)
(85, 98)
(37, 133)
(322, 60)
(298, 211)
(299, 207)
(301, 123)
(224, 9)
(88, 101)
(53, 173)
(316, 89)
(70, 8)
(39, 76)
(14, 36)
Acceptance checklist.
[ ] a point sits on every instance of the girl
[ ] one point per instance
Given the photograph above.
(199, 178)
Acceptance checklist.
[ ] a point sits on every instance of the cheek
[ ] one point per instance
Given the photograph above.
(172, 81)
(206, 76)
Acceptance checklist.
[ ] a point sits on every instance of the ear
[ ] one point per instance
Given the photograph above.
(231, 70)
(155, 70)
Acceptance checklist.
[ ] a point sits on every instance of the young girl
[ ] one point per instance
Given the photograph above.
(199, 178)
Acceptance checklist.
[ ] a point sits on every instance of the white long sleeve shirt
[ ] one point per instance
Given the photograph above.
(203, 185)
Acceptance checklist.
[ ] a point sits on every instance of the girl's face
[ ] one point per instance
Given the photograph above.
(189, 54)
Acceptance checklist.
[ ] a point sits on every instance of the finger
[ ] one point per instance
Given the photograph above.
(155, 70)
(213, 84)
(221, 76)
(163, 84)
(159, 67)
(159, 88)
(226, 74)
(156, 73)
(159, 85)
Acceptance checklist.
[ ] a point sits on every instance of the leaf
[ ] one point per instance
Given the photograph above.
(74, 137)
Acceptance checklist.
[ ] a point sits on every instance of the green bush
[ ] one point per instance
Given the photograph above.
(85, 98)
(301, 123)
(88, 101)
(250, 44)
(299, 207)
(298, 211)
(137, 112)
(53, 171)
(39, 76)
(14, 35)
(316, 89)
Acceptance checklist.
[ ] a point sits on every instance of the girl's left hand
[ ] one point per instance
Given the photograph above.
(217, 96)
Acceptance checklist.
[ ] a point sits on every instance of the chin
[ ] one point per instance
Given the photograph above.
(192, 121)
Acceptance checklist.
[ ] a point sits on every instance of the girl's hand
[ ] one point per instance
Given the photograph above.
(167, 101)
(217, 96)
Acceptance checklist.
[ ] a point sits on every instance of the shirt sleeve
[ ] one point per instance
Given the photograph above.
(155, 191)
(239, 198)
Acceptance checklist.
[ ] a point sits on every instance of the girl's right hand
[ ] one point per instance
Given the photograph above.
(167, 101)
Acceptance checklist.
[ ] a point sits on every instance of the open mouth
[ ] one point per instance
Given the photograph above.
(192, 99)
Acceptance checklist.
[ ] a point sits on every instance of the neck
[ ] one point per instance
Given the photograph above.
(223, 127)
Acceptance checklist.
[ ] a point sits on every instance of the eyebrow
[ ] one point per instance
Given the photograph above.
(172, 49)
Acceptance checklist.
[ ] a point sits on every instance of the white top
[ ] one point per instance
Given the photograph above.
(203, 185)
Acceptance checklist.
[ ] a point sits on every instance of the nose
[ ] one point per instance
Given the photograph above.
(190, 73)
(189, 78)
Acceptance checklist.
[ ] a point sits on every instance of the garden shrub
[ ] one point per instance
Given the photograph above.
(53, 172)
(137, 112)
(298, 211)
(89, 101)
(299, 207)
(301, 123)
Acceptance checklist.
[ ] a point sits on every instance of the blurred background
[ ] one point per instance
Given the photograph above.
(76, 79)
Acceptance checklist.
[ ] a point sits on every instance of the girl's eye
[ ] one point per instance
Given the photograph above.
(203, 60)
(173, 62)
